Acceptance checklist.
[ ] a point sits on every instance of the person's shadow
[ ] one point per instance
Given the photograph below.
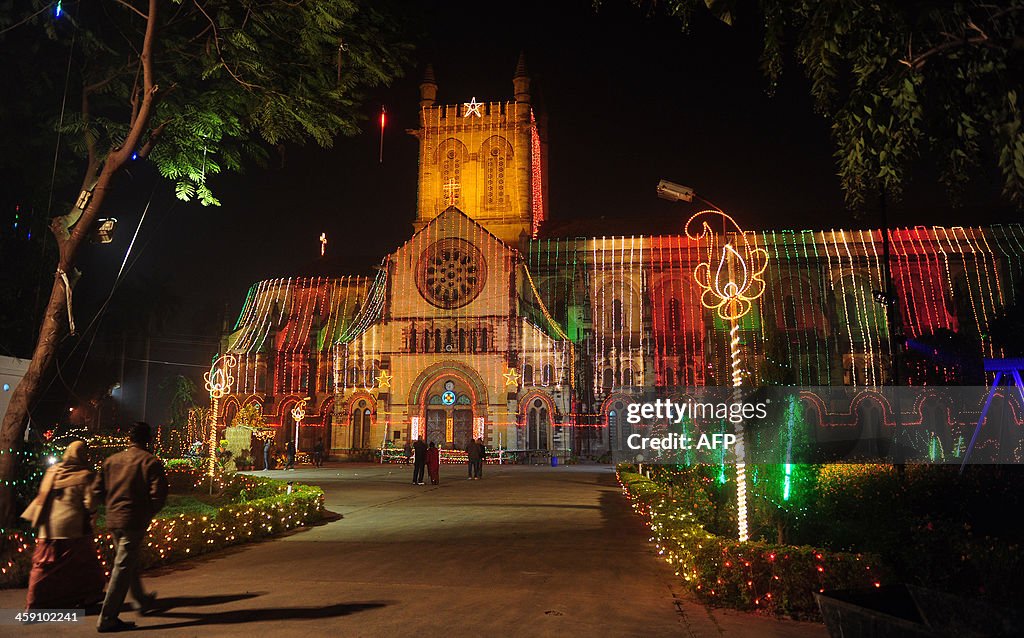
(165, 606)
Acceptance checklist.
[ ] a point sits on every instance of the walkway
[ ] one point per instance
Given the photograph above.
(524, 552)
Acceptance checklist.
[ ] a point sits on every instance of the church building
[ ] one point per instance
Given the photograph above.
(489, 323)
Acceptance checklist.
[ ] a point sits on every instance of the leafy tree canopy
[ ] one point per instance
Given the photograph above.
(899, 81)
(234, 78)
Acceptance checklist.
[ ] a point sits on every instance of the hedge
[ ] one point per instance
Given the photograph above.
(263, 508)
(751, 575)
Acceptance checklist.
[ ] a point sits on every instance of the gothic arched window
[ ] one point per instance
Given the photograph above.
(616, 314)
(451, 154)
(497, 155)
(527, 374)
(674, 315)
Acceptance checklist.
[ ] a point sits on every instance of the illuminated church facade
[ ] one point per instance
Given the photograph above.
(485, 325)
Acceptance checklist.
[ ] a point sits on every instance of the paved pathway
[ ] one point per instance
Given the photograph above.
(524, 552)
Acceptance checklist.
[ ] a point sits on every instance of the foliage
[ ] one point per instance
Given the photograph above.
(254, 508)
(779, 579)
(249, 416)
(183, 399)
(899, 81)
(236, 79)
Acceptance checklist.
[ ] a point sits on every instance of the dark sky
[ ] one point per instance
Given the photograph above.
(629, 99)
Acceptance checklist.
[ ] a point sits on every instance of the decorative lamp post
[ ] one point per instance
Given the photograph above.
(218, 384)
(731, 277)
(299, 413)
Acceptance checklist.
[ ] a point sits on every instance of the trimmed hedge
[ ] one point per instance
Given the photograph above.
(259, 507)
(776, 579)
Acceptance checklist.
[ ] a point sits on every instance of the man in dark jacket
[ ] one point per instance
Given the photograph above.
(318, 453)
(472, 457)
(290, 451)
(478, 468)
(135, 487)
(419, 461)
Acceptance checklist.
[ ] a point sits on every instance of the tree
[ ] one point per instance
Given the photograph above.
(900, 81)
(196, 87)
(183, 401)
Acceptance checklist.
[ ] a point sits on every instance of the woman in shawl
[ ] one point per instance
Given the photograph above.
(66, 572)
(434, 463)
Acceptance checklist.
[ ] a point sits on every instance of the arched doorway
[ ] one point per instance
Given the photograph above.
(448, 408)
(361, 422)
(538, 426)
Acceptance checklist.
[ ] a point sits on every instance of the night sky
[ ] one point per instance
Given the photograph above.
(629, 99)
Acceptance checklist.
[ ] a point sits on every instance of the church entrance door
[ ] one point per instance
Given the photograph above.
(462, 428)
(436, 421)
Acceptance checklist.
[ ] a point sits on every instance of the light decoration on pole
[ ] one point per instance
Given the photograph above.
(299, 413)
(731, 278)
(218, 383)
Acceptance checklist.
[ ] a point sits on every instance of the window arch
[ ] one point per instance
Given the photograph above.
(617, 314)
(437, 340)
(450, 156)
(607, 379)
(528, 374)
(674, 315)
(497, 155)
(412, 339)
(538, 426)
(547, 375)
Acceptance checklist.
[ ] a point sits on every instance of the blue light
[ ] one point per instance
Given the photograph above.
(59, 10)
(7, 387)
(135, 156)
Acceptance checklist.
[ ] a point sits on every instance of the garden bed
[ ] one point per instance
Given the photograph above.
(240, 509)
(835, 527)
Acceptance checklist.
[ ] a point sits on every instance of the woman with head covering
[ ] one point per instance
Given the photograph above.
(66, 572)
(434, 463)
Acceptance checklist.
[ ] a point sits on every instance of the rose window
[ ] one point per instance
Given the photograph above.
(451, 273)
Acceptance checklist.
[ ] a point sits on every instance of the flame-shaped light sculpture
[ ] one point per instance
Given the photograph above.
(218, 383)
(732, 276)
(299, 413)
(732, 279)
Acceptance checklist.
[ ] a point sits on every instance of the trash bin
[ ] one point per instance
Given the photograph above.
(554, 461)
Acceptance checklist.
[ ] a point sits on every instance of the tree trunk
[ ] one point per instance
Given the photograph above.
(13, 428)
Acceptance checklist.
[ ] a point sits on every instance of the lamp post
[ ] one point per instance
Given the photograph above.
(731, 277)
(218, 383)
(299, 413)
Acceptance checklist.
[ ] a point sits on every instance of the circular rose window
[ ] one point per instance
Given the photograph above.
(451, 273)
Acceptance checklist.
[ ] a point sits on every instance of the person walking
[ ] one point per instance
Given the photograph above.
(472, 456)
(318, 453)
(290, 450)
(135, 487)
(407, 450)
(481, 456)
(65, 571)
(434, 463)
(420, 461)
(266, 455)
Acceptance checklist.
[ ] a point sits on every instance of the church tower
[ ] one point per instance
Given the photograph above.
(484, 158)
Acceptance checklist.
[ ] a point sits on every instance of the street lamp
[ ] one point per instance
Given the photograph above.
(218, 383)
(731, 276)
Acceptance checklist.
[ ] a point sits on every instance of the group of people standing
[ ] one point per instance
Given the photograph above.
(290, 453)
(428, 457)
(66, 573)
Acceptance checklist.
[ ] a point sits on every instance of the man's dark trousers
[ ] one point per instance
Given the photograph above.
(417, 471)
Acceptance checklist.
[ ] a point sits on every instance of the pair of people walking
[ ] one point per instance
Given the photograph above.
(428, 458)
(476, 452)
(65, 570)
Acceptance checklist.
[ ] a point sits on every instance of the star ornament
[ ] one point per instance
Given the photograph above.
(511, 378)
(472, 108)
(384, 380)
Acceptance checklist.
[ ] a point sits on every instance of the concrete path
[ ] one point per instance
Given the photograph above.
(527, 551)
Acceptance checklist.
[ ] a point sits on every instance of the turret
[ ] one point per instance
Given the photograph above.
(521, 81)
(428, 88)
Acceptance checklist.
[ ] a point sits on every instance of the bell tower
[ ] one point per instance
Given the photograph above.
(484, 158)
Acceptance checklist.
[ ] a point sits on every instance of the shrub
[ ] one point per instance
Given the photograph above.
(266, 509)
(779, 579)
